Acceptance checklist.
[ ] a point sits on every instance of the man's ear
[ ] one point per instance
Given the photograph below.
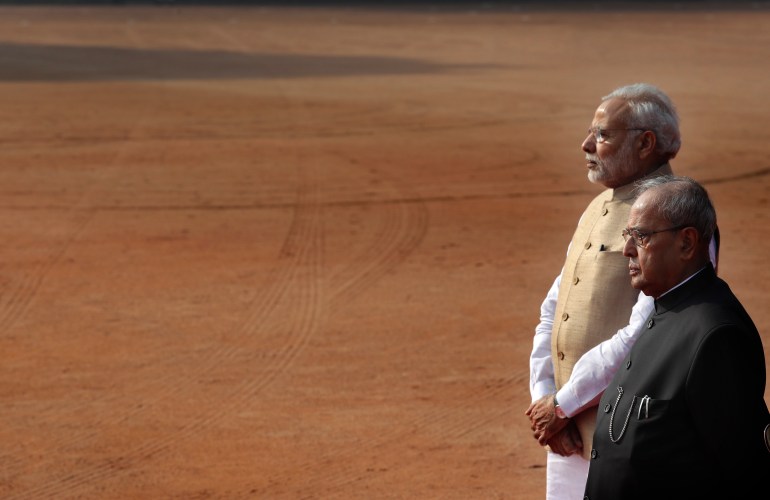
(690, 239)
(647, 144)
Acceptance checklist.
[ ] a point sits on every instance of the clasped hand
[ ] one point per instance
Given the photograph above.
(560, 434)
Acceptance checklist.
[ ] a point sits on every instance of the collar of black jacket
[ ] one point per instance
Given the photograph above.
(702, 279)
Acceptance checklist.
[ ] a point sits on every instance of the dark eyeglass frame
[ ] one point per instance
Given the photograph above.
(599, 132)
(641, 238)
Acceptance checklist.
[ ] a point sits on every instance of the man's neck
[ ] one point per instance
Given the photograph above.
(627, 191)
(686, 274)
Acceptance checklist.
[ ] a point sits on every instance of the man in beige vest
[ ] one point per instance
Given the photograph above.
(592, 316)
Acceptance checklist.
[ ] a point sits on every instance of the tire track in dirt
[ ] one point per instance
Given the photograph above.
(80, 213)
(300, 284)
(398, 238)
(404, 227)
(452, 423)
(301, 291)
(283, 358)
(19, 303)
(306, 321)
(403, 230)
(294, 282)
(22, 295)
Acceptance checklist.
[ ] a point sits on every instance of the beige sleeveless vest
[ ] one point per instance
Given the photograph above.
(595, 295)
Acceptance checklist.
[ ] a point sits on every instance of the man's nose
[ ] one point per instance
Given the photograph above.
(589, 144)
(629, 249)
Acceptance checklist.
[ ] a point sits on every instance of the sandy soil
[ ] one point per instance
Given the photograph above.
(300, 252)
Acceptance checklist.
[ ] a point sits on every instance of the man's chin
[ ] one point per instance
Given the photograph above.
(594, 177)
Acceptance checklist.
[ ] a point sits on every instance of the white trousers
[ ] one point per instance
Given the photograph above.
(566, 477)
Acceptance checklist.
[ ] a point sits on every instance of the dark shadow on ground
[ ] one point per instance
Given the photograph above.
(27, 62)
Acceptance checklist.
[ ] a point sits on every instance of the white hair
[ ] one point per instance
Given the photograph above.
(651, 109)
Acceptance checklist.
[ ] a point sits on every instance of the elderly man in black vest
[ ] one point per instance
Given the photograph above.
(685, 415)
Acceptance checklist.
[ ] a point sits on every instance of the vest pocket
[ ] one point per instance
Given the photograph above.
(611, 258)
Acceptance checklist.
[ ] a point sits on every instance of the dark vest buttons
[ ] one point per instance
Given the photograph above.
(594, 454)
(607, 408)
(650, 323)
(628, 364)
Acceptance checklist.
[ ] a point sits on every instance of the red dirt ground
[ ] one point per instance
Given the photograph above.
(300, 252)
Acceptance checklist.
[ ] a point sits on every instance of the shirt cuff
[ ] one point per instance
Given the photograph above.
(567, 402)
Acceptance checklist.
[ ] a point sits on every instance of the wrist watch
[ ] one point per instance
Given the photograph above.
(559, 412)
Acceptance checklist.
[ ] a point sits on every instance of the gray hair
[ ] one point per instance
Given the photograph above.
(652, 109)
(683, 202)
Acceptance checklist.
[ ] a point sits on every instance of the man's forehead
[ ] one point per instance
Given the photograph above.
(645, 206)
(611, 112)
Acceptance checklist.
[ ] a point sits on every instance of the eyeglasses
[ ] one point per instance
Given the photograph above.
(641, 238)
(600, 134)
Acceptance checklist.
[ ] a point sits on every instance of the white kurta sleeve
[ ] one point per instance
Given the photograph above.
(541, 379)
